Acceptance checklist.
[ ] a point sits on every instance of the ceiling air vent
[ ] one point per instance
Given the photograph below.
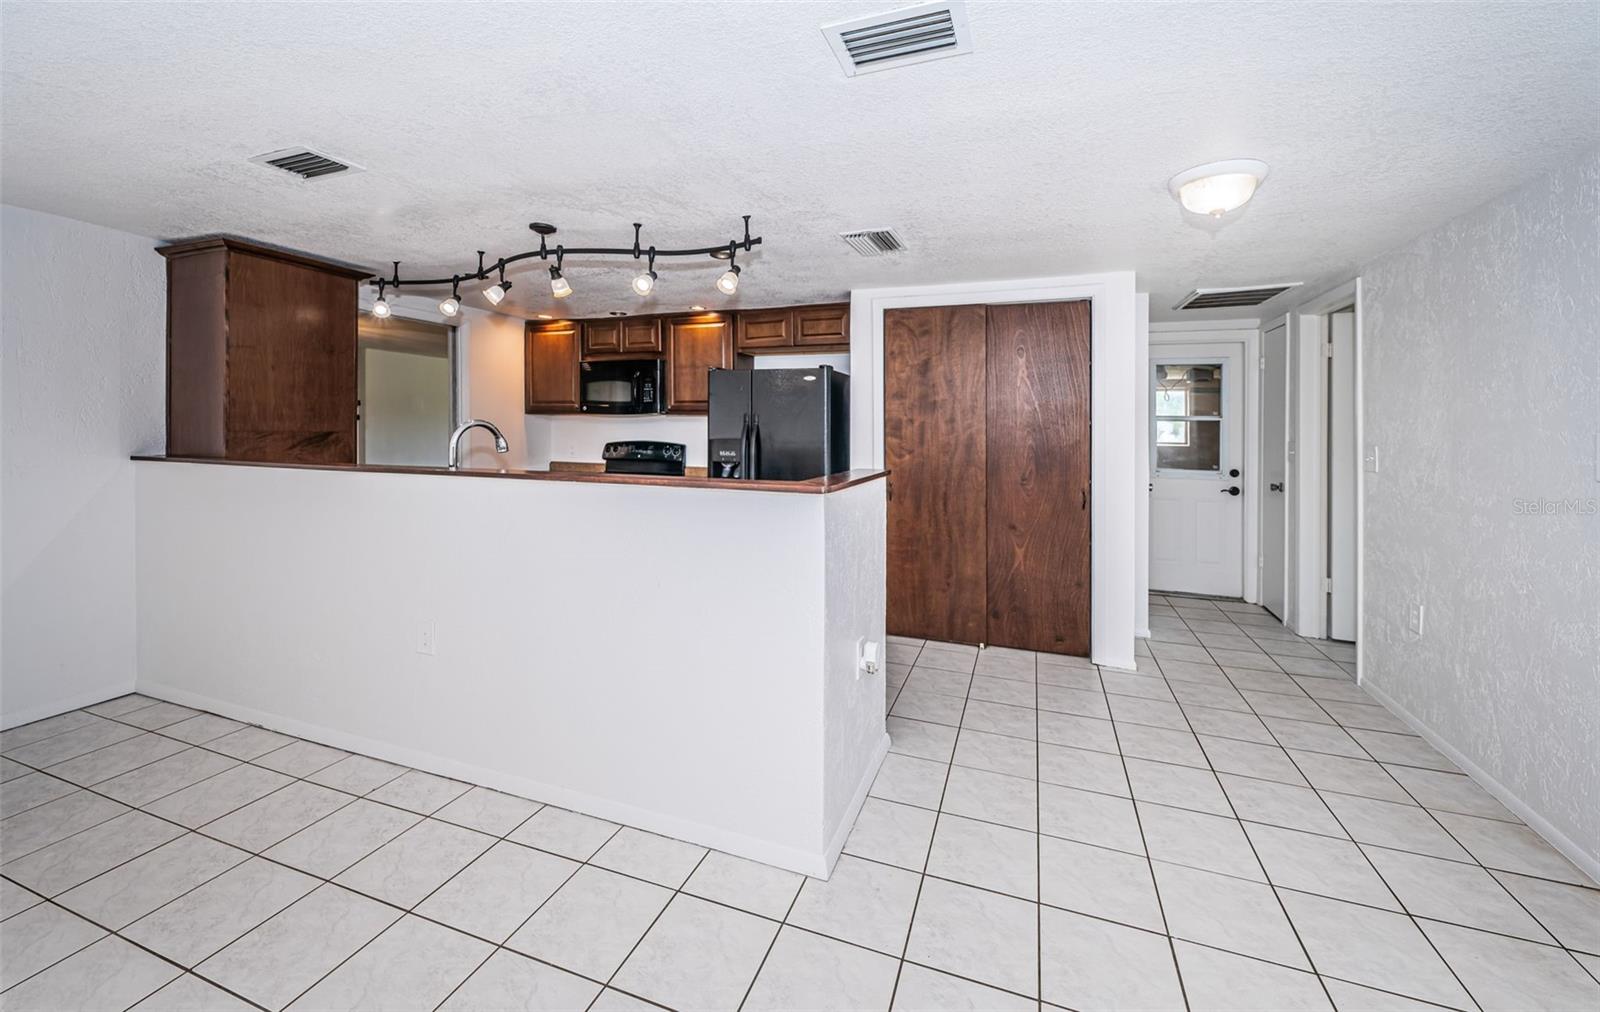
(898, 38)
(873, 242)
(1233, 298)
(305, 163)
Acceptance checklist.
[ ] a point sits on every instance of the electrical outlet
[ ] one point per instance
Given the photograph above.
(426, 640)
(867, 654)
(1414, 618)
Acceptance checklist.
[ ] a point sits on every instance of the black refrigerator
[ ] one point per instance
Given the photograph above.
(778, 424)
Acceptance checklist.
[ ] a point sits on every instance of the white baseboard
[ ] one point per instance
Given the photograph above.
(817, 864)
(859, 798)
(1588, 863)
(76, 702)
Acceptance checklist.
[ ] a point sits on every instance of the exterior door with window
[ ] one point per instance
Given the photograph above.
(1197, 461)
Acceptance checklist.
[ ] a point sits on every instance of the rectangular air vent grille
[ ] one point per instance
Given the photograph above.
(1233, 298)
(873, 242)
(305, 163)
(928, 31)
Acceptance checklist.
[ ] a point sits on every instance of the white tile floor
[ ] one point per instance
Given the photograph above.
(1233, 826)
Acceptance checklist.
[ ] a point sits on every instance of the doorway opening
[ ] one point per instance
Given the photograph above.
(406, 383)
(1198, 474)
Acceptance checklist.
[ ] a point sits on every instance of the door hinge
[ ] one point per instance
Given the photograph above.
(1327, 350)
(1327, 585)
(1261, 363)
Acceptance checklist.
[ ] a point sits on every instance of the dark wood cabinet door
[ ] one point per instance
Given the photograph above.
(1038, 477)
(641, 335)
(822, 326)
(934, 449)
(550, 367)
(602, 337)
(765, 328)
(695, 345)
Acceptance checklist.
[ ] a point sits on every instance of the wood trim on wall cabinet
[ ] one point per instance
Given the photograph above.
(822, 326)
(550, 367)
(935, 452)
(602, 337)
(696, 344)
(763, 329)
(641, 335)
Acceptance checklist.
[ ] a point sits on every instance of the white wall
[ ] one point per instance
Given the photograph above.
(688, 698)
(405, 408)
(489, 374)
(1481, 389)
(83, 380)
(1115, 416)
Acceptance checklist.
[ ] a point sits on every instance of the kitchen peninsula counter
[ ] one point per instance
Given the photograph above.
(675, 654)
(811, 486)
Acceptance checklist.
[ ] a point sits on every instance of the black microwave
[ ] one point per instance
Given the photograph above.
(621, 387)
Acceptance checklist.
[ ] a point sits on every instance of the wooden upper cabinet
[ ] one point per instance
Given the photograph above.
(695, 345)
(550, 366)
(822, 326)
(641, 335)
(261, 354)
(765, 328)
(814, 328)
(602, 337)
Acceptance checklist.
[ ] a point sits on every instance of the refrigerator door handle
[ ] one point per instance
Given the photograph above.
(744, 447)
(755, 447)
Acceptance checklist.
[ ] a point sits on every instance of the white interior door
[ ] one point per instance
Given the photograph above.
(1196, 457)
(1342, 457)
(1274, 468)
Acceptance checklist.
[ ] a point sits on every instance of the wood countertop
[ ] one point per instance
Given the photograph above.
(814, 486)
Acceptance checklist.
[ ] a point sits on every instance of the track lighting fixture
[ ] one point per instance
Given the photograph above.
(643, 283)
(729, 282)
(559, 286)
(496, 293)
(452, 305)
(380, 306)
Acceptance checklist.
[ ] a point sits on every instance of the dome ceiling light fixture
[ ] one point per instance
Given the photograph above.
(1216, 188)
(495, 290)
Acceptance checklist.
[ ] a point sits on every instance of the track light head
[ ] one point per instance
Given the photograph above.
(559, 286)
(380, 306)
(451, 305)
(496, 293)
(644, 284)
(729, 282)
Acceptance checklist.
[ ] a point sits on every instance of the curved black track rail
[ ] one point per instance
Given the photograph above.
(544, 252)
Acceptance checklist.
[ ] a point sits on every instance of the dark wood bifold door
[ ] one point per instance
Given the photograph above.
(986, 437)
(933, 447)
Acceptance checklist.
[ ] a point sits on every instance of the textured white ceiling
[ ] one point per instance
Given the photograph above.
(1046, 151)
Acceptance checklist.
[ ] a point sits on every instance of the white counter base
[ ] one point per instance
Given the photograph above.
(681, 660)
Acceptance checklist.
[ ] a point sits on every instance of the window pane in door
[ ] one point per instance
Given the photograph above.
(1189, 389)
(1192, 445)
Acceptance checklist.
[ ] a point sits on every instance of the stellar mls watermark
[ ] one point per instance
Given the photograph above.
(1572, 507)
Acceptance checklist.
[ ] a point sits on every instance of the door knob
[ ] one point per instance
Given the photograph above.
(1276, 486)
(1230, 490)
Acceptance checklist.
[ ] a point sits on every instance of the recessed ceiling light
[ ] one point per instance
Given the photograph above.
(697, 309)
(543, 316)
(1218, 187)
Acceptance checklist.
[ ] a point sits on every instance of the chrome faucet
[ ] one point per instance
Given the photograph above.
(461, 430)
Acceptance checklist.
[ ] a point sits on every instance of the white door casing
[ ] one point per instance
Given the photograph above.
(1343, 456)
(1196, 526)
(1274, 468)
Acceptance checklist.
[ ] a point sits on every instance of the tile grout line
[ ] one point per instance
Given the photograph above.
(1410, 917)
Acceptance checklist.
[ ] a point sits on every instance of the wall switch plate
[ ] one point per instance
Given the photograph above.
(1414, 618)
(1369, 460)
(426, 640)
